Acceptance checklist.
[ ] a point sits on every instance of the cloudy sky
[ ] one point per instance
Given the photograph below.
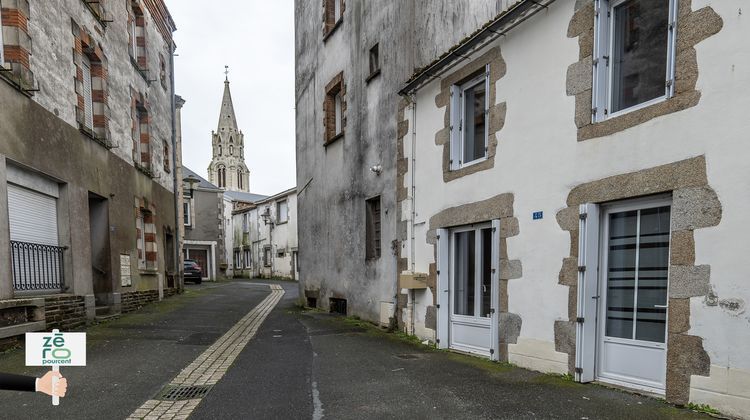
(256, 40)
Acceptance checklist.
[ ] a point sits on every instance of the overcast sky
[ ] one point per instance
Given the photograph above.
(256, 40)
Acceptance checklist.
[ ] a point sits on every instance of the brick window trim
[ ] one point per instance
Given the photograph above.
(330, 24)
(139, 60)
(17, 46)
(85, 46)
(140, 111)
(147, 254)
(335, 86)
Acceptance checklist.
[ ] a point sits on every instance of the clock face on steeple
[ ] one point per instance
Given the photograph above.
(227, 169)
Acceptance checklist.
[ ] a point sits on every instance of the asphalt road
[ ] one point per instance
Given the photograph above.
(306, 365)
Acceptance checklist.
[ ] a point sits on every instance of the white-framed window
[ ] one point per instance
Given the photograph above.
(237, 259)
(187, 215)
(282, 212)
(246, 256)
(469, 128)
(141, 240)
(337, 10)
(338, 113)
(634, 55)
(88, 103)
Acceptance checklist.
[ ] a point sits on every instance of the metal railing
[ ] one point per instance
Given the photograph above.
(37, 266)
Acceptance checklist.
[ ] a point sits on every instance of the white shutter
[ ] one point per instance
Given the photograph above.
(88, 114)
(443, 296)
(495, 298)
(32, 216)
(455, 128)
(588, 268)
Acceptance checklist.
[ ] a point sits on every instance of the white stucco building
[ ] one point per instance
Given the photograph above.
(265, 237)
(575, 185)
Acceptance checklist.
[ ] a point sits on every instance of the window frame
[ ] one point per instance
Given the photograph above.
(187, 212)
(373, 230)
(279, 220)
(602, 86)
(88, 96)
(141, 224)
(457, 127)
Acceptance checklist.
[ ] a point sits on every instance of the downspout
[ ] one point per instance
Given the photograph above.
(177, 184)
(413, 203)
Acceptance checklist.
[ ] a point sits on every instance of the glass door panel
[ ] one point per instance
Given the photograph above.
(653, 264)
(464, 278)
(623, 235)
(486, 273)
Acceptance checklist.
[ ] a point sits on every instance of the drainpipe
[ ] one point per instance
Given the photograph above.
(177, 184)
(413, 203)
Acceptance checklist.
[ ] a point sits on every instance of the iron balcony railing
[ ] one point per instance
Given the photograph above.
(37, 266)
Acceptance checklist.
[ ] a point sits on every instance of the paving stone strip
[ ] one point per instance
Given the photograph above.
(212, 364)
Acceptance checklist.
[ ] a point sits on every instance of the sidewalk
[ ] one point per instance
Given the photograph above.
(131, 358)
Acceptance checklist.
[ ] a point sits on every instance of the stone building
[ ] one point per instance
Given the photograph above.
(87, 159)
(563, 203)
(227, 169)
(203, 220)
(265, 237)
(352, 57)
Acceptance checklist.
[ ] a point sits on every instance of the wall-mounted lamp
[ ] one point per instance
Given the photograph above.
(191, 180)
(378, 169)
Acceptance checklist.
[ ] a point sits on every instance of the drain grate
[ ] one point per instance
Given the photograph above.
(179, 392)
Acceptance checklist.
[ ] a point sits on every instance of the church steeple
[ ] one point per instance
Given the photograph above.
(227, 119)
(227, 169)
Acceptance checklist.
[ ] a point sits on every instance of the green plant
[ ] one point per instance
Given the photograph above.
(702, 408)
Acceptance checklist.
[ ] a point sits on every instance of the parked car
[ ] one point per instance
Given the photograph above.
(193, 271)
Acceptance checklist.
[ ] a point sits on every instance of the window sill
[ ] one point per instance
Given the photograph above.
(334, 139)
(373, 75)
(470, 164)
(86, 131)
(333, 28)
(282, 223)
(634, 108)
(148, 271)
(99, 18)
(146, 171)
(142, 71)
(15, 81)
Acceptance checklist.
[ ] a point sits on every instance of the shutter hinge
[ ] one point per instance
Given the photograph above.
(671, 26)
(579, 370)
(583, 216)
(669, 83)
(594, 110)
(437, 341)
(596, 61)
(494, 229)
(492, 351)
(438, 272)
(493, 271)
(492, 310)
(437, 306)
(606, 58)
(438, 236)
(579, 320)
(581, 268)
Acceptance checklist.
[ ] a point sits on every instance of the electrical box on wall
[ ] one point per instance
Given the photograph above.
(409, 280)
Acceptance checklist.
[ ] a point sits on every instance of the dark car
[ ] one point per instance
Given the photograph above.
(193, 271)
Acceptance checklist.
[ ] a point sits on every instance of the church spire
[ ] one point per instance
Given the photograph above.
(227, 119)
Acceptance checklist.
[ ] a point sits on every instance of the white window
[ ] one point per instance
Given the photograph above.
(141, 241)
(337, 10)
(282, 212)
(187, 214)
(469, 128)
(338, 116)
(88, 104)
(248, 263)
(133, 36)
(633, 55)
(237, 259)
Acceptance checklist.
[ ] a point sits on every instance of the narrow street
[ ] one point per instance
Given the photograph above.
(302, 365)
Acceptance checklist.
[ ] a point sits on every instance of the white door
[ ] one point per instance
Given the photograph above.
(474, 258)
(633, 286)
